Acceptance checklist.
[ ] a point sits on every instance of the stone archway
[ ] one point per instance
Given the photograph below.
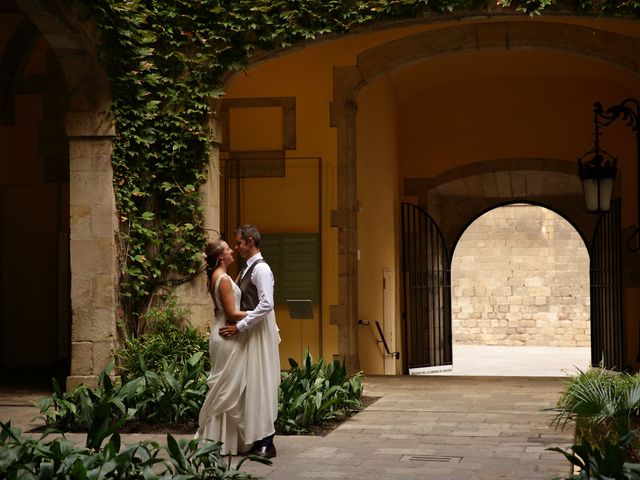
(349, 80)
(520, 278)
(93, 221)
(547, 182)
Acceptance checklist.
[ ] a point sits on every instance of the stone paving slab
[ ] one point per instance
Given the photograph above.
(522, 361)
(439, 428)
(425, 427)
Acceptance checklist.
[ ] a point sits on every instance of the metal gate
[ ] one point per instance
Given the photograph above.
(607, 333)
(426, 275)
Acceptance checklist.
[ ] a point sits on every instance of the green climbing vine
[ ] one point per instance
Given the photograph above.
(165, 60)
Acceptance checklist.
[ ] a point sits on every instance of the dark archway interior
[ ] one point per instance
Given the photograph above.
(34, 206)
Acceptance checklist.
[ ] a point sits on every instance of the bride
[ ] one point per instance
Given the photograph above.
(223, 416)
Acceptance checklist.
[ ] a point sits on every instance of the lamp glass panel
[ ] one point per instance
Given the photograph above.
(606, 188)
(590, 189)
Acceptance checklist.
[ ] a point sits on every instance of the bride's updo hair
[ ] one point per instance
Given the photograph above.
(212, 251)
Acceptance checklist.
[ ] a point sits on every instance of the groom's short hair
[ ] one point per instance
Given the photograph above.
(247, 231)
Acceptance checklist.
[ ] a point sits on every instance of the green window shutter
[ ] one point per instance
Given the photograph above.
(295, 261)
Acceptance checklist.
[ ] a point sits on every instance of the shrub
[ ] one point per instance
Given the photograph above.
(168, 337)
(101, 411)
(603, 404)
(316, 393)
(173, 394)
(605, 463)
(60, 459)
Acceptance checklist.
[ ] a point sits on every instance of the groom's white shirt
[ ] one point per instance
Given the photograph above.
(262, 278)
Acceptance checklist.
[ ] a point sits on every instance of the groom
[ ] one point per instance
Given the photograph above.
(256, 284)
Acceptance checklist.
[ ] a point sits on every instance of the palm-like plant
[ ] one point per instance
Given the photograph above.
(604, 405)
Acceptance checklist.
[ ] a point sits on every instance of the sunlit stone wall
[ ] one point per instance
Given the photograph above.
(520, 276)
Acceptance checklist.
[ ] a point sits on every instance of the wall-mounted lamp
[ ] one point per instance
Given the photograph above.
(598, 172)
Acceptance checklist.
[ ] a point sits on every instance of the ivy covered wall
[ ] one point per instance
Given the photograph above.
(166, 60)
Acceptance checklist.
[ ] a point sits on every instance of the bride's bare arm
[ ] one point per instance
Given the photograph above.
(228, 305)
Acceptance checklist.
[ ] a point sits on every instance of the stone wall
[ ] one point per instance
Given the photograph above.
(520, 276)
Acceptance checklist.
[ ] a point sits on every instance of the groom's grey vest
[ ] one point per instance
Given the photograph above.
(249, 299)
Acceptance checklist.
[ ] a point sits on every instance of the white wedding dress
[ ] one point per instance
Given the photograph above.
(241, 405)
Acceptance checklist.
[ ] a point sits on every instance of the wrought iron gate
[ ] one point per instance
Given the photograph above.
(426, 275)
(607, 333)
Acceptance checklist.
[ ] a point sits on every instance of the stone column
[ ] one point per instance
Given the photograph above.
(346, 82)
(94, 263)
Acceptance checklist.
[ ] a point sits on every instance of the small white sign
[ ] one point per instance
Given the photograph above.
(431, 370)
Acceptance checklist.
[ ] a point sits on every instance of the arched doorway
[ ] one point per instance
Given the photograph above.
(452, 112)
(34, 207)
(57, 205)
(520, 295)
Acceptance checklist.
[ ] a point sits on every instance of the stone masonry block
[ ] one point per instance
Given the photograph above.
(103, 291)
(93, 256)
(104, 222)
(102, 354)
(81, 290)
(201, 316)
(84, 124)
(91, 188)
(74, 381)
(82, 358)
(80, 222)
(93, 156)
(93, 325)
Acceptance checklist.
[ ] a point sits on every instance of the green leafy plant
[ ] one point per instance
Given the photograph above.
(173, 394)
(316, 393)
(60, 459)
(167, 337)
(311, 394)
(101, 411)
(604, 405)
(604, 463)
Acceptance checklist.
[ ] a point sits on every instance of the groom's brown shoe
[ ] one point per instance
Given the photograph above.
(264, 451)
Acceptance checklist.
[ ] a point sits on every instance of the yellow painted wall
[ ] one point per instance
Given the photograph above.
(287, 205)
(426, 118)
(540, 106)
(377, 219)
(306, 74)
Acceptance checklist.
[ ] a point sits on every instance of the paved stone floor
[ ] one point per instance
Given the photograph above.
(436, 428)
(422, 427)
(490, 360)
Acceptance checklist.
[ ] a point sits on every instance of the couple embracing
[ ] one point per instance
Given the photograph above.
(241, 406)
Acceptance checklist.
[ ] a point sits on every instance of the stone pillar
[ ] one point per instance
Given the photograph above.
(343, 116)
(94, 263)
